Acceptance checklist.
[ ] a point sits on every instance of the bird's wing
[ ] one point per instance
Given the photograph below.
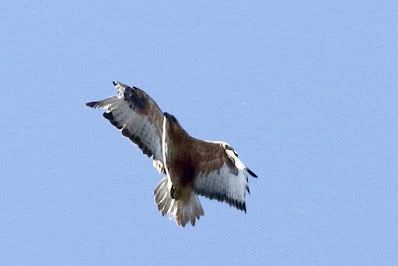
(219, 174)
(139, 118)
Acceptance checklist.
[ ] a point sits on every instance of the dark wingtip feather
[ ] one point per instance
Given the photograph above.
(92, 104)
(250, 172)
(108, 115)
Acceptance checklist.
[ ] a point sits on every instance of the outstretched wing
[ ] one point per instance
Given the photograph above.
(139, 118)
(219, 174)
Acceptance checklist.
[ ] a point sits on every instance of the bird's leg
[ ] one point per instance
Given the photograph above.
(175, 193)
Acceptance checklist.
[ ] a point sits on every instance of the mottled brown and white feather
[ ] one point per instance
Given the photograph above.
(220, 174)
(193, 167)
(139, 118)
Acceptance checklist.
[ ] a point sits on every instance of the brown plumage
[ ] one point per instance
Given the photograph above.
(192, 166)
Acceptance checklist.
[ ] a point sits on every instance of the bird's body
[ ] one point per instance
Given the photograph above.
(192, 167)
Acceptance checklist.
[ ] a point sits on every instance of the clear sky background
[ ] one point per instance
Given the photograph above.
(306, 92)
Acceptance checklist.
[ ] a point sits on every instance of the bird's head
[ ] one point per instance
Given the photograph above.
(171, 118)
(172, 123)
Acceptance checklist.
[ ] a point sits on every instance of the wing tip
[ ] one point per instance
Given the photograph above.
(119, 85)
(251, 172)
(92, 104)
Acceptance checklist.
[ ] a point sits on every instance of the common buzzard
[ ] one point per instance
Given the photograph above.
(191, 166)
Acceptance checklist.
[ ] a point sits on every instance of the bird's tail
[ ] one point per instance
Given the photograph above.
(184, 210)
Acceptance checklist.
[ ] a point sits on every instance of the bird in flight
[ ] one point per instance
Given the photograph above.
(191, 166)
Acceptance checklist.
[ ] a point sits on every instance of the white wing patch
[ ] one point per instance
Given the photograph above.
(136, 126)
(224, 185)
(138, 129)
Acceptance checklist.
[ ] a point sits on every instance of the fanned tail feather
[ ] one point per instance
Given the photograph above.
(180, 210)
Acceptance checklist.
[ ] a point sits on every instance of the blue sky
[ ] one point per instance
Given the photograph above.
(306, 92)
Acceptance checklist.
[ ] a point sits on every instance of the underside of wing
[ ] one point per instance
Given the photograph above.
(220, 174)
(139, 118)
